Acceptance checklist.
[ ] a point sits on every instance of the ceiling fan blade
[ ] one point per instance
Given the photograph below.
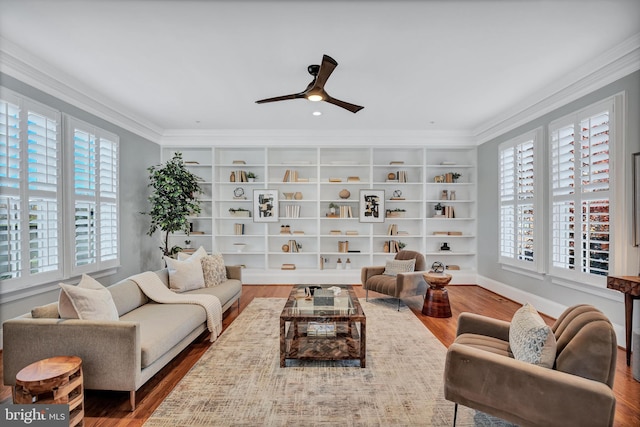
(326, 68)
(351, 107)
(281, 98)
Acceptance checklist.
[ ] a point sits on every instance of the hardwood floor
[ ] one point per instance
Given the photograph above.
(109, 409)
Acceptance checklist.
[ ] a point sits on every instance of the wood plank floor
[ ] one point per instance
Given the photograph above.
(112, 408)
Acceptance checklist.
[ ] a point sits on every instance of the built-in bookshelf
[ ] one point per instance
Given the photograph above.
(318, 191)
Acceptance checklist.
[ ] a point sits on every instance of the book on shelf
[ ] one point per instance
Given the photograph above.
(293, 246)
(440, 233)
(298, 232)
(292, 211)
(196, 232)
(402, 176)
(449, 212)
(335, 179)
(238, 162)
(455, 233)
(335, 232)
(453, 267)
(351, 233)
(392, 230)
(396, 162)
(238, 229)
(288, 267)
(290, 175)
(346, 212)
(353, 179)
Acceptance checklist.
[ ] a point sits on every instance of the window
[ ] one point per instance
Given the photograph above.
(94, 202)
(31, 191)
(581, 147)
(519, 206)
(32, 197)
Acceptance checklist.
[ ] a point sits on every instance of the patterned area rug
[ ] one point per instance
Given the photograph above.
(239, 382)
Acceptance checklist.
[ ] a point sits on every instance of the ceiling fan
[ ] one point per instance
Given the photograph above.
(315, 90)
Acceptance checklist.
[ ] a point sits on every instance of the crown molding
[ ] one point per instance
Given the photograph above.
(612, 65)
(27, 68)
(286, 137)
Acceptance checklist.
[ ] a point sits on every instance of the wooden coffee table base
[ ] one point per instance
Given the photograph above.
(57, 380)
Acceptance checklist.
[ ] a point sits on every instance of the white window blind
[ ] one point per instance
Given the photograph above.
(31, 183)
(519, 234)
(95, 202)
(10, 212)
(580, 189)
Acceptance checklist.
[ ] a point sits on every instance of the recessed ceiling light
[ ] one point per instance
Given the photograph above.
(317, 113)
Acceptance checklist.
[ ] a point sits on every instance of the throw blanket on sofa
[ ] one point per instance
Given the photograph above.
(153, 288)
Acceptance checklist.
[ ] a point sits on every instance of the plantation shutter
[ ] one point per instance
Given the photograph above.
(108, 177)
(580, 154)
(10, 205)
(44, 192)
(518, 201)
(95, 184)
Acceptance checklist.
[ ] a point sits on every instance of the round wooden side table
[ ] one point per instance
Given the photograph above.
(57, 380)
(436, 302)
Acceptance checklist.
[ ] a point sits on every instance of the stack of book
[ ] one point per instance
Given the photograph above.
(291, 211)
(293, 246)
(238, 229)
(290, 175)
(345, 212)
(392, 230)
(448, 212)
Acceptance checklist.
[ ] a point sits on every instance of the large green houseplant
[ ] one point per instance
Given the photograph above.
(173, 199)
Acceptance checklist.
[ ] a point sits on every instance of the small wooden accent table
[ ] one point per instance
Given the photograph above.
(57, 380)
(436, 302)
(630, 286)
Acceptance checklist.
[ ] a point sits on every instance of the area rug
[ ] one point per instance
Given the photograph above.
(239, 382)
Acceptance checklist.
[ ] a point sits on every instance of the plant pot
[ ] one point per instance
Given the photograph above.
(243, 214)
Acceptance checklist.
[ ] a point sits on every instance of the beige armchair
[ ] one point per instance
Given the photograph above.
(481, 373)
(399, 286)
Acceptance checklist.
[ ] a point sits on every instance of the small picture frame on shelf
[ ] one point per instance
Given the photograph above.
(265, 205)
(372, 206)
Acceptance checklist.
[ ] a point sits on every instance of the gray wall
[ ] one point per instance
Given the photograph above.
(138, 252)
(488, 265)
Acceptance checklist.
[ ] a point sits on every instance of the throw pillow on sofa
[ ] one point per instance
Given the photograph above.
(531, 339)
(214, 270)
(89, 300)
(185, 275)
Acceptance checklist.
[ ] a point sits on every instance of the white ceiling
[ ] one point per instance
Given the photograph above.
(415, 65)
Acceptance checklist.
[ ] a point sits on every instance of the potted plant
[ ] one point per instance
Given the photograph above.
(251, 176)
(239, 212)
(332, 208)
(438, 208)
(187, 244)
(173, 199)
(455, 176)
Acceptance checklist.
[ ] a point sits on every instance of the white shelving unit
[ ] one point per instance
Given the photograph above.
(406, 174)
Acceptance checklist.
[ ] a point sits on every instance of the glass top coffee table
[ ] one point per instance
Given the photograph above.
(323, 326)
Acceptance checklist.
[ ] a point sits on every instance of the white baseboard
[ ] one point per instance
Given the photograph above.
(543, 305)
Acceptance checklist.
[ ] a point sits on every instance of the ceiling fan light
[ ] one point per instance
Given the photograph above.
(314, 98)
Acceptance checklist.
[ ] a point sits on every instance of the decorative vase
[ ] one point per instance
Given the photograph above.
(344, 194)
(232, 177)
(285, 248)
(298, 195)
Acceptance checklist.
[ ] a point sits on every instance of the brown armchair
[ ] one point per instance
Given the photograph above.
(481, 372)
(399, 286)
